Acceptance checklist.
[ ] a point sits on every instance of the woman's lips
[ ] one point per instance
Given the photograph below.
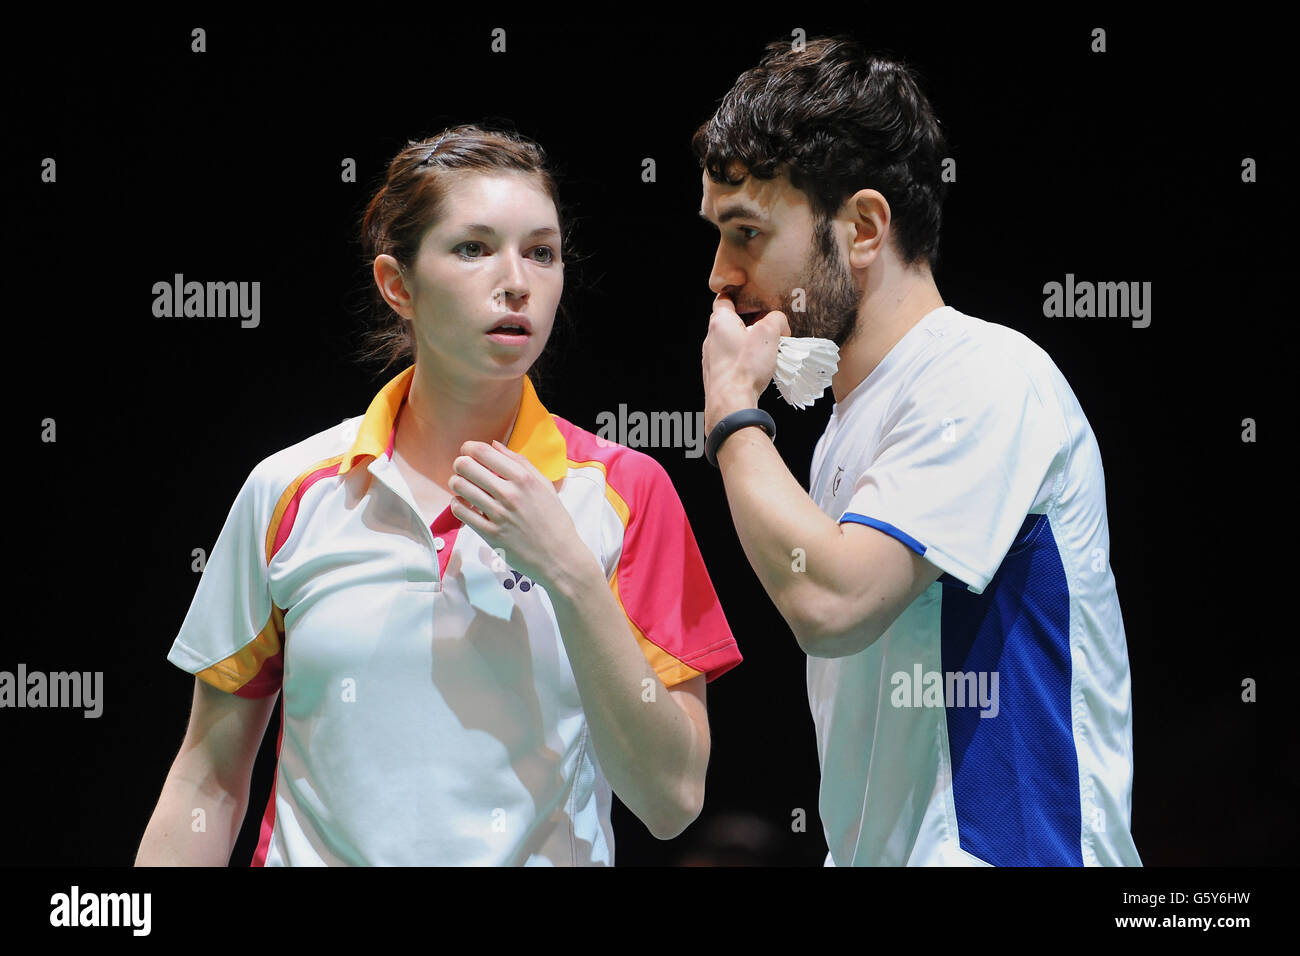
(509, 338)
(515, 319)
(513, 329)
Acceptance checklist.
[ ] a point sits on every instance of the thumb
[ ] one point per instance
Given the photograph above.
(780, 324)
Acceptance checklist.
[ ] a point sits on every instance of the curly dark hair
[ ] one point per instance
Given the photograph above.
(835, 119)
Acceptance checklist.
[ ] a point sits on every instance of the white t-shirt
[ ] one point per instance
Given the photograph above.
(991, 723)
(429, 714)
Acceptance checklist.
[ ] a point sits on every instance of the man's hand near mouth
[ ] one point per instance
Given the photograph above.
(738, 360)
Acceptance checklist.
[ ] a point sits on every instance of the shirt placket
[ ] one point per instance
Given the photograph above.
(440, 537)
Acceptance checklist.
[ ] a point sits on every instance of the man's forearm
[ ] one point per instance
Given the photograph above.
(785, 536)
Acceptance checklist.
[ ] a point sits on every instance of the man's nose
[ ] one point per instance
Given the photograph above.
(726, 275)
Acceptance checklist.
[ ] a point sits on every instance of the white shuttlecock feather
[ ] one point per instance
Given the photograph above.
(804, 367)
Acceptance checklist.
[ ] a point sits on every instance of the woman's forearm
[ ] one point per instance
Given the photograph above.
(195, 823)
(648, 746)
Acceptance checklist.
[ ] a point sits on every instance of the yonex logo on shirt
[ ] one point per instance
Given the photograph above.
(523, 582)
(499, 565)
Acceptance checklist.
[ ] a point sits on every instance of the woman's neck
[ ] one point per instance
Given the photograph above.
(441, 414)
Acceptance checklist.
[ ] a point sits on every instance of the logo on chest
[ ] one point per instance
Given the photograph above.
(513, 580)
(835, 483)
(497, 589)
(518, 579)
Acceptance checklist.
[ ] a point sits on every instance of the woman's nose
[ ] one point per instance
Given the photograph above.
(514, 280)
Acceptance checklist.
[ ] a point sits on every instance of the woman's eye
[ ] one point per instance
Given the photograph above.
(549, 253)
(466, 248)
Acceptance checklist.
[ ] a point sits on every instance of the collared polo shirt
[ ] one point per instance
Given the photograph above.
(429, 713)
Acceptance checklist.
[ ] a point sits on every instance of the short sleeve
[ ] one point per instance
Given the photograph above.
(662, 583)
(963, 459)
(233, 634)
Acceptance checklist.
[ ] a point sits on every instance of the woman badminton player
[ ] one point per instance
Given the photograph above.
(478, 618)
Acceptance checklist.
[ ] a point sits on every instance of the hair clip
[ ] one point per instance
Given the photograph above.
(428, 159)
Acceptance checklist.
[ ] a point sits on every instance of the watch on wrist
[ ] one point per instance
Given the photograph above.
(732, 423)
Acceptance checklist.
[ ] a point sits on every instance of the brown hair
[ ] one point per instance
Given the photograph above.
(410, 200)
(837, 119)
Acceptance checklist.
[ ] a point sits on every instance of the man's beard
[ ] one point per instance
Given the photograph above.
(830, 299)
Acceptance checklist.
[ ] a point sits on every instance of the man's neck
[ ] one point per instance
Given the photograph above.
(885, 316)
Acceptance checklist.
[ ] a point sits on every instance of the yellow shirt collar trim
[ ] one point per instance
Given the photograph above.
(534, 436)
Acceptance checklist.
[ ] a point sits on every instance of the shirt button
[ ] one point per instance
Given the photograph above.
(439, 543)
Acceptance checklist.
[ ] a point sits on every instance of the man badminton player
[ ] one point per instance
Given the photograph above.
(948, 570)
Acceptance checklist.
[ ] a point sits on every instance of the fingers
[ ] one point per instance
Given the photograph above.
(484, 475)
(477, 484)
(472, 495)
(495, 458)
(469, 467)
(462, 510)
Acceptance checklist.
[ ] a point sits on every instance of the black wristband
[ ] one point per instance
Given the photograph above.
(732, 423)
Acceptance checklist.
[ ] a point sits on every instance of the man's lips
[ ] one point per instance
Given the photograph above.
(750, 316)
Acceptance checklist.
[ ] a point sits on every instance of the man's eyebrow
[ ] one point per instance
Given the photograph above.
(539, 231)
(737, 211)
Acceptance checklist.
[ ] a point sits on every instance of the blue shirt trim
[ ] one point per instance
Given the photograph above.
(884, 526)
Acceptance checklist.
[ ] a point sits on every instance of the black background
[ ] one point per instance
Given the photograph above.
(1121, 166)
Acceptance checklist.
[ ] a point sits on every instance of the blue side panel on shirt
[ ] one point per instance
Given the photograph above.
(1016, 776)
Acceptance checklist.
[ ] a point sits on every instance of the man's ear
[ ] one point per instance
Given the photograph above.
(870, 215)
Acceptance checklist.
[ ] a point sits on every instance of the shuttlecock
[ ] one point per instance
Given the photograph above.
(804, 367)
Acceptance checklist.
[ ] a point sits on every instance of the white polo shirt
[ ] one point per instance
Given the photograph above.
(429, 714)
(992, 722)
